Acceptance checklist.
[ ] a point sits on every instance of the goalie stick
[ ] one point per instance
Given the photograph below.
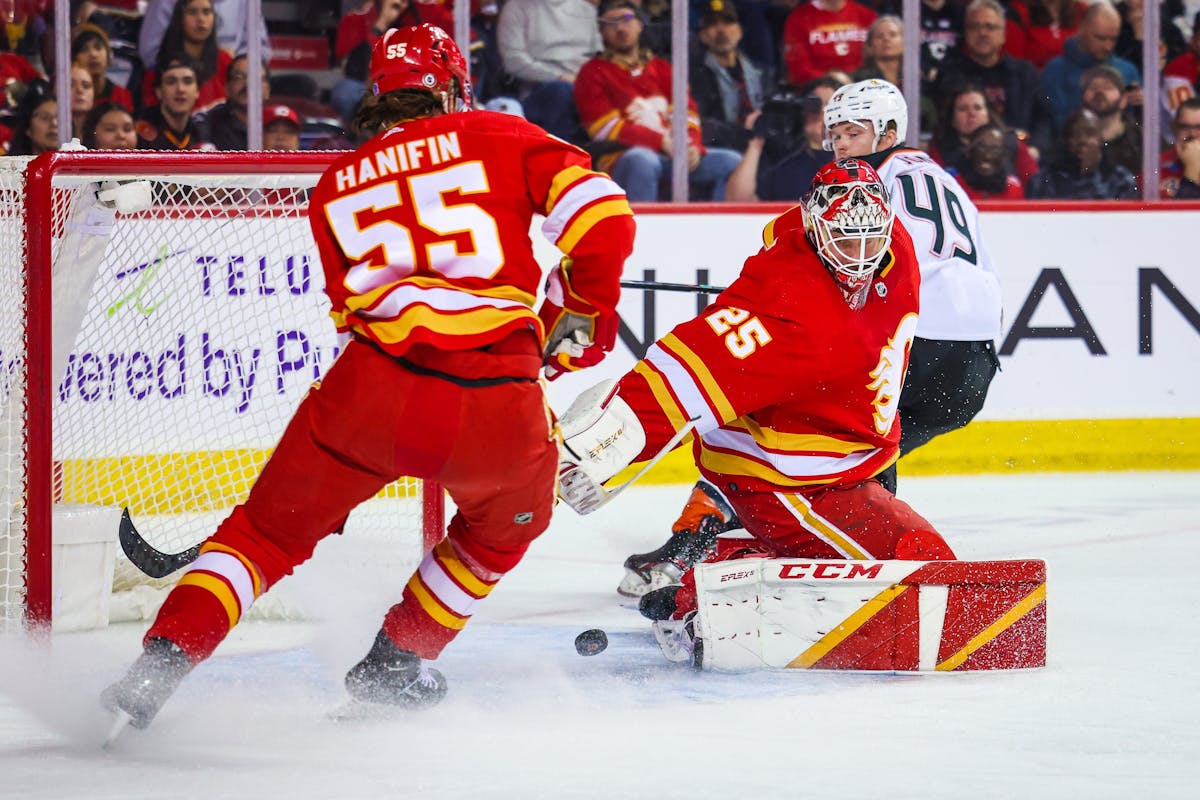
(146, 557)
(652, 286)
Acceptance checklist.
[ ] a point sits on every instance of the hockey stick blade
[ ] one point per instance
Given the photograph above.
(652, 286)
(145, 557)
(668, 447)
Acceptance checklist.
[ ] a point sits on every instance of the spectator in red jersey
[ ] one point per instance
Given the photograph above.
(1182, 74)
(1181, 164)
(83, 98)
(966, 111)
(109, 126)
(624, 101)
(983, 167)
(169, 124)
(1010, 83)
(91, 49)
(357, 34)
(1037, 30)
(822, 36)
(192, 35)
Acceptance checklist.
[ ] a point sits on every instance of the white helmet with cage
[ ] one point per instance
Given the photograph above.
(875, 101)
(848, 220)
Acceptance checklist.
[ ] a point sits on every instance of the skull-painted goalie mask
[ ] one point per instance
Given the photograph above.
(848, 220)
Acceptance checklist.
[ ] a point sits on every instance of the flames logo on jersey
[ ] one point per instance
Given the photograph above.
(888, 375)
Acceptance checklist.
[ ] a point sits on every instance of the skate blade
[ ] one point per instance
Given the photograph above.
(121, 720)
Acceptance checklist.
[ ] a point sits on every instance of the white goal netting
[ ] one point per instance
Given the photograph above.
(189, 319)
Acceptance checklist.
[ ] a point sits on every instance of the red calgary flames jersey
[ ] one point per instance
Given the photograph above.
(790, 387)
(424, 231)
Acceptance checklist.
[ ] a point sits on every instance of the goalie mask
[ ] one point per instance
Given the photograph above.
(848, 221)
(422, 57)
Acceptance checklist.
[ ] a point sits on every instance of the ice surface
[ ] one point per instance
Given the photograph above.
(1114, 715)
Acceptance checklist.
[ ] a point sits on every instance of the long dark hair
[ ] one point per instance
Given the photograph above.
(37, 92)
(377, 113)
(172, 45)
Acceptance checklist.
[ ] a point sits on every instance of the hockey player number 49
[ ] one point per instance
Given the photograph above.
(430, 211)
(743, 333)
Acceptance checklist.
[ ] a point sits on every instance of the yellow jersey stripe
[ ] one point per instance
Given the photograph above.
(563, 180)
(771, 439)
(453, 566)
(585, 221)
(429, 603)
(662, 395)
(739, 464)
(712, 390)
(461, 324)
(255, 577)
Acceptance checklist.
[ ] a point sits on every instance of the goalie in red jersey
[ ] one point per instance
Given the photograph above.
(423, 234)
(791, 381)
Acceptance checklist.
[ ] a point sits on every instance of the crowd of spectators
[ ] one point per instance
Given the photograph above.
(1020, 98)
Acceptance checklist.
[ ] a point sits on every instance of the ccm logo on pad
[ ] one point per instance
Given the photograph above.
(849, 569)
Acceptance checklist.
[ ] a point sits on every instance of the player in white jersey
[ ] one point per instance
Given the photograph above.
(953, 358)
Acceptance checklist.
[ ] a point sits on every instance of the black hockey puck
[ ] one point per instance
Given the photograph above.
(589, 643)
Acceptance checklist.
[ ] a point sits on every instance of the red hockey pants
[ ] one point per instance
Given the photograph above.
(487, 439)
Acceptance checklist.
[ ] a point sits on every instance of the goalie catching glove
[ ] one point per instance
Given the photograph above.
(578, 335)
(600, 437)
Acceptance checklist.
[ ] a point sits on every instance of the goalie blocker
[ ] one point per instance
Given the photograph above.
(909, 616)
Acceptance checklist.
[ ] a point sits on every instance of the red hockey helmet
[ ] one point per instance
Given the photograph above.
(421, 57)
(848, 220)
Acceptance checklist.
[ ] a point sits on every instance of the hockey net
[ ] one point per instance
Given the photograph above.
(166, 315)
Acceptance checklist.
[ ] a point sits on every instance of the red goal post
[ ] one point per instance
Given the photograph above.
(168, 315)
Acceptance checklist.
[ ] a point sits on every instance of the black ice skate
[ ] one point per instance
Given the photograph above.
(391, 676)
(148, 683)
(694, 538)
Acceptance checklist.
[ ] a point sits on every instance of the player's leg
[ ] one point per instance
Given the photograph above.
(705, 515)
(325, 464)
(945, 388)
(861, 522)
(500, 472)
(501, 478)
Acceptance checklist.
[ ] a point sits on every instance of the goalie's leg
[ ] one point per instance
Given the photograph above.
(693, 536)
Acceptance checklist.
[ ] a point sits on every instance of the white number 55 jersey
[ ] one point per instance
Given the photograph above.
(960, 288)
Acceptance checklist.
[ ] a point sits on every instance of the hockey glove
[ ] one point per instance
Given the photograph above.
(577, 335)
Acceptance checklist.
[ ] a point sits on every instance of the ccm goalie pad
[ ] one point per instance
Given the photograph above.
(911, 616)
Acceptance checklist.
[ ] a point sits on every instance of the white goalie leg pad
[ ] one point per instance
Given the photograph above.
(601, 434)
(918, 616)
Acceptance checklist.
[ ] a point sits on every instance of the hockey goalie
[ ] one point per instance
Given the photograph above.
(786, 389)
